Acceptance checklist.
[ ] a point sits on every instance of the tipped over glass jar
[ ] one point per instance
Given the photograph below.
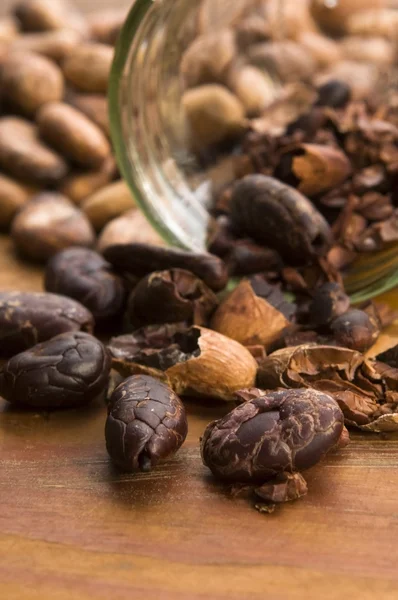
(266, 130)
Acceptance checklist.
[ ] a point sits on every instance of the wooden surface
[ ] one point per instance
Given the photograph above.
(72, 528)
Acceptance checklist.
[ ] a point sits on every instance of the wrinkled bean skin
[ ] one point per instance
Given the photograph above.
(27, 318)
(146, 423)
(283, 431)
(277, 216)
(68, 371)
(142, 259)
(84, 275)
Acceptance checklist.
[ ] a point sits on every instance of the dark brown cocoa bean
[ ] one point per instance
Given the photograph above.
(142, 259)
(170, 297)
(85, 275)
(146, 423)
(283, 431)
(27, 318)
(276, 215)
(68, 371)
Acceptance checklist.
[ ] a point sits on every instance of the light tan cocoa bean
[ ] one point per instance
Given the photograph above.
(105, 25)
(81, 184)
(333, 17)
(374, 22)
(213, 114)
(71, 133)
(212, 16)
(13, 196)
(131, 227)
(254, 88)
(323, 50)
(108, 203)
(94, 106)
(49, 15)
(28, 81)
(88, 66)
(49, 223)
(376, 50)
(207, 59)
(8, 30)
(52, 44)
(24, 156)
(287, 61)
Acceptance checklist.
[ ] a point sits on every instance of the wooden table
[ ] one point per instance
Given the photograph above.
(72, 528)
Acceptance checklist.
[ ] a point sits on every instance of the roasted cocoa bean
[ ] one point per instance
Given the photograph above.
(142, 259)
(278, 216)
(170, 297)
(284, 431)
(27, 318)
(85, 275)
(146, 423)
(68, 371)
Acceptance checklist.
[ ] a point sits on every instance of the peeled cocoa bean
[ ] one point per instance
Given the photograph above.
(94, 106)
(13, 195)
(28, 81)
(49, 15)
(87, 67)
(80, 185)
(108, 203)
(49, 223)
(73, 134)
(52, 44)
(24, 156)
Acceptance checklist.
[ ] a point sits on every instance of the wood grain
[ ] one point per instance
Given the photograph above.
(72, 527)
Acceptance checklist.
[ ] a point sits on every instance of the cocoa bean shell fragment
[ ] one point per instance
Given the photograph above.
(364, 389)
(193, 361)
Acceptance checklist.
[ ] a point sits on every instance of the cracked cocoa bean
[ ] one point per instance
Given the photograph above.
(27, 318)
(278, 216)
(68, 371)
(282, 431)
(194, 361)
(146, 423)
(170, 297)
(142, 259)
(85, 275)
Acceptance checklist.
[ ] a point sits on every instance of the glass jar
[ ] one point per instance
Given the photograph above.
(292, 45)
